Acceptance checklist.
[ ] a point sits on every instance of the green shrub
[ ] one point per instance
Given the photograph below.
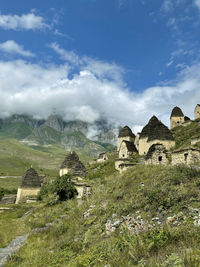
(64, 187)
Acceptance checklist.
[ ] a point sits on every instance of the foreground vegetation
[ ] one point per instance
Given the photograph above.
(163, 202)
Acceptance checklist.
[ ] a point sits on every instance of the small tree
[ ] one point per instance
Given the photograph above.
(64, 187)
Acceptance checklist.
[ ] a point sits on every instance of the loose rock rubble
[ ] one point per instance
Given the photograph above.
(87, 213)
(133, 224)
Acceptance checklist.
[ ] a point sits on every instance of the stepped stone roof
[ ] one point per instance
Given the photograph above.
(73, 163)
(126, 131)
(31, 179)
(156, 130)
(153, 148)
(130, 146)
(177, 112)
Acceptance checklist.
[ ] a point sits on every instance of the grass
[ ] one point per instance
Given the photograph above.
(12, 223)
(184, 134)
(146, 191)
(10, 183)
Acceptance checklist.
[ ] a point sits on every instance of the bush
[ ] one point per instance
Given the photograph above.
(64, 187)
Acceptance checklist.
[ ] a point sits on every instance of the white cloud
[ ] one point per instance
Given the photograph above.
(197, 3)
(37, 90)
(65, 55)
(11, 47)
(28, 21)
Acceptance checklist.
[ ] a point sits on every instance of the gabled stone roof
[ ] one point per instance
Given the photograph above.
(176, 112)
(126, 131)
(130, 146)
(31, 179)
(156, 130)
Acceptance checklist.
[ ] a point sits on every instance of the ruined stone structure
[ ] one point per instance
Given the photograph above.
(157, 155)
(127, 149)
(73, 165)
(197, 112)
(185, 156)
(125, 135)
(102, 158)
(30, 186)
(155, 132)
(177, 117)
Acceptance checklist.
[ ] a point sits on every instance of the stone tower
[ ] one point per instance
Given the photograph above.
(125, 135)
(197, 112)
(153, 133)
(30, 186)
(177, 117)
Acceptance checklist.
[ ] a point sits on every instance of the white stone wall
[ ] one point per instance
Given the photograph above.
(63, 171)
(176, 121)
(197, 112)
(123, 152)
(25, 192)
(103, 159)
(144, 145)
(136, 142)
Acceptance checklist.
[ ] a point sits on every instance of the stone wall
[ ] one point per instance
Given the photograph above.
(158, 158)
(8, 199)
(103, 158)
(123, 152)
(118, 162)
(144, 145)
(136, 142)
(176, 121)
(197, 112)
(64, 171)
(26, 192)
(185, 157)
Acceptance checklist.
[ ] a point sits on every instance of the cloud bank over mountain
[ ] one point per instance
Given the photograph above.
(96, 90)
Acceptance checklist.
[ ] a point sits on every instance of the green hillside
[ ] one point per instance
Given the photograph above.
(147, 216)
(184, 134)
(18, 130)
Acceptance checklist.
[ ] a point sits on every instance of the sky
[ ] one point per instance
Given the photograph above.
(123, 60)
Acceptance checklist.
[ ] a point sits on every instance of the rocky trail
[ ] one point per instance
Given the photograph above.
(12, 247)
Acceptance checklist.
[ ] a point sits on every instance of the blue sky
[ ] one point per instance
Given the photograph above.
(122, 59)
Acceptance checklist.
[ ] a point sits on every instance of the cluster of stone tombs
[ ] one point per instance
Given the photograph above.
(155, 143)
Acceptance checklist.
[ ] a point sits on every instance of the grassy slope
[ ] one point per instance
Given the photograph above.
(16, 157)
(18, 130)
(77, 241)
(183, 135)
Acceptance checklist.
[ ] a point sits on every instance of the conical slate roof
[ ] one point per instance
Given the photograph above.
(70, 160)
(31, 179)
(126, 131)
(73, 163)
(177, 112)
(156, 130)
